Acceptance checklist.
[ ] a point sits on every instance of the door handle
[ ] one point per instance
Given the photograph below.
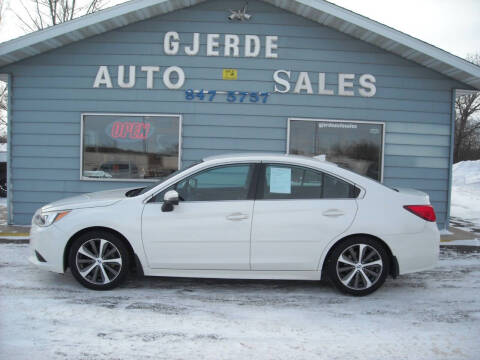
(333, 213)
(237, 216)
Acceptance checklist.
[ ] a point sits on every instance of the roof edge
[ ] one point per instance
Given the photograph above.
(312, 7)
(399, 36)
(320, 11)
(93, 19)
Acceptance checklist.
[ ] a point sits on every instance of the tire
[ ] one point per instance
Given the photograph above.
(99, 272)
(354, 277)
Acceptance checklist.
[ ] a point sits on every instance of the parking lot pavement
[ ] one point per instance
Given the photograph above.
(429, 315)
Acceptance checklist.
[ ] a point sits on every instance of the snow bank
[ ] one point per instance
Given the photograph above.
(466, 191)
(467, 173)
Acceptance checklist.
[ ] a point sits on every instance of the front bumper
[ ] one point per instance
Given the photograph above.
(50, 243)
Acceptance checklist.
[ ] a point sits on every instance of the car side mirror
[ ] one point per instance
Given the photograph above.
(169, 200)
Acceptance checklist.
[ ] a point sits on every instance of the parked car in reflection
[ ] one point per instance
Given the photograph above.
(99, 174)
(240, 216)
(120, 169)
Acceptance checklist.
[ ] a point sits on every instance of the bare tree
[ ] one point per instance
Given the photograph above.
(37, 15)
(467, 123)
(3, 86)
(40, 14)
(3, 97)
(3, 111)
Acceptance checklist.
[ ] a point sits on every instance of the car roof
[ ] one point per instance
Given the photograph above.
(287, 158)
(254, 156)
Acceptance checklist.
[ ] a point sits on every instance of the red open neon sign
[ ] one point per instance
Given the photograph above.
(130, 130)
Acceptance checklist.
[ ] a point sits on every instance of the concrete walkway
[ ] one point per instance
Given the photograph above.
(458, 234)
(7, 231)
(11, 233)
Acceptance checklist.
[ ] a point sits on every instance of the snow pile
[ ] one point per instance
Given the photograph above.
(466, 191)
(467, 173)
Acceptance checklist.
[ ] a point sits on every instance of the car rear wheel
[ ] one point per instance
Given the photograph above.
(358, 266)
(99, 260)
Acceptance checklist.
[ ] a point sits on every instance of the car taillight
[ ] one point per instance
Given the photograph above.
(426, 212)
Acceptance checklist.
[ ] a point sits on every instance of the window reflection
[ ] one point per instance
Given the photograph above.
(352, 145)
(130, 147)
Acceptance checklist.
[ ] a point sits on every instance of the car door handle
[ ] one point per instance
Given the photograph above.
(333, 213)
(237, 216)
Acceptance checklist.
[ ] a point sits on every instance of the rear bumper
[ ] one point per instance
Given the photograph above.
(50, 243)
(416, 252)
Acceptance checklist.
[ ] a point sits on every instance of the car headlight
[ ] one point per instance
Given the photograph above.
(48, 218)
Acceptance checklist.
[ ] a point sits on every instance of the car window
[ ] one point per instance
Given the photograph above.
(296, 182)
(334, 188)
(229, 182)
(292, 182)
(175, 173)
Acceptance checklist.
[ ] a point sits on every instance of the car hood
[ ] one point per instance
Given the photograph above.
(96, 199)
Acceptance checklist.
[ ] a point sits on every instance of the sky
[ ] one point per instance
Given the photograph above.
(452, 25)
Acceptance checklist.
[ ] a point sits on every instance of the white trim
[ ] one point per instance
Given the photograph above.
(10, 186)
(385, 37)
(381, 30)
(460, 92)
(319, 11)
(91, 20)
(344, 121)
(82, 116)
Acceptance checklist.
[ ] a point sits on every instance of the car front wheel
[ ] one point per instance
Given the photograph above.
(99, 260)
(358, 266)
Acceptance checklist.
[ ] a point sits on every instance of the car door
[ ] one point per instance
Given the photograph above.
(209, 228)
(298, 211)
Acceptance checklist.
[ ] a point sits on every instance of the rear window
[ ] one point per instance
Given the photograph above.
(297, 182)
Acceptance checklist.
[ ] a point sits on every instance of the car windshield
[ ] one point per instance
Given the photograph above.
(140, 191)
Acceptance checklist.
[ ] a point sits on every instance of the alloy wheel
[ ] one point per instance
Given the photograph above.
(98, 261)
(359, 266)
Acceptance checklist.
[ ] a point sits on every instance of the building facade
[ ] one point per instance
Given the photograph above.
(122, 100)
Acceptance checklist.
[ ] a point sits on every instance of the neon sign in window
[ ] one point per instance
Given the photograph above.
(130, 146)
(130, 130)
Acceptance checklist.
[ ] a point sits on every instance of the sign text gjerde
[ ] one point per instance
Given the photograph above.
(231, 45)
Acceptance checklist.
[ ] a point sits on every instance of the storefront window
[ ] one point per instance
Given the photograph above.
(353, 145)
(129, 146)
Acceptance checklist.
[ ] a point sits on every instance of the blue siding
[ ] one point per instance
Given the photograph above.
(50, 91)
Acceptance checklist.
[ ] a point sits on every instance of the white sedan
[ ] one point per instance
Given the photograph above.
(245, 217)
